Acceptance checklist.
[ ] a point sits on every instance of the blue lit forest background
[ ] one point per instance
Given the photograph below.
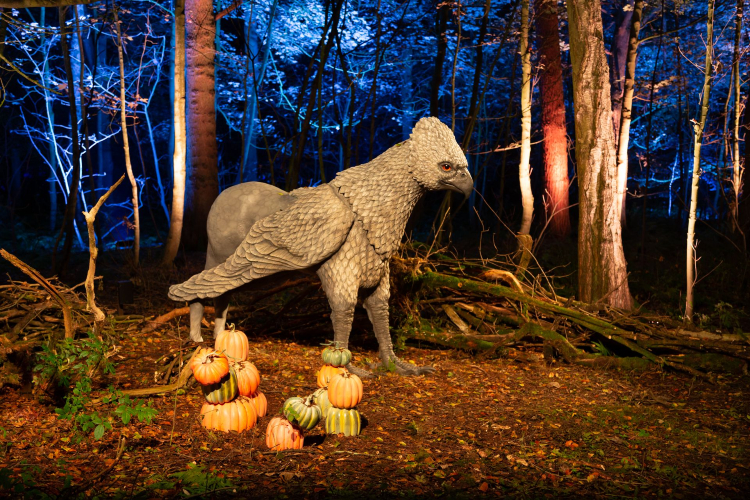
(353, 89)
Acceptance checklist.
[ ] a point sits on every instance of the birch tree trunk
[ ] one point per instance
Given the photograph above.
(179, 138)
(126, 145)
(202, 182)
(627, 109)
(698, 128)
(553, 118)
(619, 50)
(524, 171)
(602, 270)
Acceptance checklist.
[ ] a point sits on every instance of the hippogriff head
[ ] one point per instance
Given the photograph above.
(436, 159)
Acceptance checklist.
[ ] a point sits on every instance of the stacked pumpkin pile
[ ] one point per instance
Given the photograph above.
(230, 384)
(339, 393)
(337, 397)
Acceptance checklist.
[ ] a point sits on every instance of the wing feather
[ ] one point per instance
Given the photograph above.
(303, 235)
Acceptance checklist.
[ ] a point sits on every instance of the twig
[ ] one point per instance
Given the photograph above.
(181, 382)
(90, 216)
(166, 318)
(84, 486)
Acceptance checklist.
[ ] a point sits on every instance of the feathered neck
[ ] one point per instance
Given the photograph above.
(382, 193)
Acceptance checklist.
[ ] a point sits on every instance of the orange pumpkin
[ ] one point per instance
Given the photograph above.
(283, 435)
(345, 390)
(232, 416)
(249, 407)
(233, 343)
(327, 372)
(209, 366)
(248, 377)
(260, 403)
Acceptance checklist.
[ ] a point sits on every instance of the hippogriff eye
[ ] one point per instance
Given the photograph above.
(446, 167)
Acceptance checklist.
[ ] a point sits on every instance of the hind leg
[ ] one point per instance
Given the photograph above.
(221, 307)
(196, 316)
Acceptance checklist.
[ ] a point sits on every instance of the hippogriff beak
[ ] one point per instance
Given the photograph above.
(461, 183)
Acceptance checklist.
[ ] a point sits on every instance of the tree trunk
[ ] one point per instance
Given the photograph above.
(292, 180)
(524, 172)
(441, 25)
(249, 170)
(70, 208)
(698, 128)
(627, 109)
(553, 118)
(454, 67)
(649, 138)
(736, 164)
(126, 145)
(619, 50)
(475, 101)
(179, 140)
(602, 270)
(374, 89)
(202, 183)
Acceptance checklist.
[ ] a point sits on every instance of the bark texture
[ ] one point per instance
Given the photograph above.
(626, 117)
(553, 117)
(524, 172)
(202, 183)
(602, 270)
(698, 127)
(619, 50)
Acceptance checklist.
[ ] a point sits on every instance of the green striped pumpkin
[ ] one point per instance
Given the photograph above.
(321, 399)
(337, 356)
(346, 422)
(302, 411)
(223, 391)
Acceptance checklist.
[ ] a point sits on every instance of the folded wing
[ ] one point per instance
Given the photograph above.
(303, 235)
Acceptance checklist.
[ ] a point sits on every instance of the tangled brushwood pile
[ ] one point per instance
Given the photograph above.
(460, 304)
(31, 313)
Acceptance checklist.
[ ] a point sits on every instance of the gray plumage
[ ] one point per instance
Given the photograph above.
(346, 230)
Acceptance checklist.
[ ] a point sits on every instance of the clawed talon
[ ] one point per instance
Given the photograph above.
(403, 368)
(360, 372)
(199, 339)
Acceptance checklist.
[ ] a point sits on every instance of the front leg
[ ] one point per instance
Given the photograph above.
(377, 310)
(196, 316)
(341, 290)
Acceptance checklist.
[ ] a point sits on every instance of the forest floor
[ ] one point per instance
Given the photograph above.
(514, 425)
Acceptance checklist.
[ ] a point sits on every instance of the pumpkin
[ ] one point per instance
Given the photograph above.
(321, 399)
(249, 407)
(223, 391)
(259, 401)
(341, 421)
(248, 377)
(283, 435)
(336, 356)
(326, 372)
(302, 411)
(345, 390)
(232, 416)
(209, 366)
(233, 343)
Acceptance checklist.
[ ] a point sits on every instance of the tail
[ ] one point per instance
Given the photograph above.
(208, 284)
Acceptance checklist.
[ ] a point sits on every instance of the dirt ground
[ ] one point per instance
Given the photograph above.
(512, 426)
(489, 427)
